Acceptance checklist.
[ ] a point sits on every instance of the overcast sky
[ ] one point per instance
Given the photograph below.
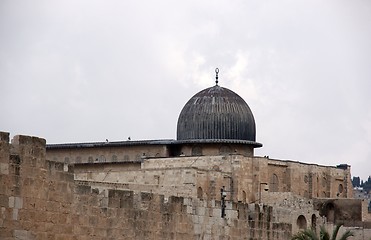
(87, 70)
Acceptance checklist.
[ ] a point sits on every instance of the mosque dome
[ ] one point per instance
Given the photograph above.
(217, 114)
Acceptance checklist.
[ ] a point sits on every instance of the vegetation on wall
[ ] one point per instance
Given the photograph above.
(310, 234)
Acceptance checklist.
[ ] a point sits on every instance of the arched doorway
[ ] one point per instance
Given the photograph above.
(330, 212)
(301, 222)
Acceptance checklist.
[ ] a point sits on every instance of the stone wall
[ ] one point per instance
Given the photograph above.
(106, 153)
(247, 173)
(40, 199)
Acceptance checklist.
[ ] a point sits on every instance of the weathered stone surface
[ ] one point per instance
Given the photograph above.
(39, 199)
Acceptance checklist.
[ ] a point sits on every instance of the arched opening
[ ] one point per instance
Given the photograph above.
(114, 158)
(330, 212)
(314, 222)
(66, 160)
(199, 193)
(102, 158)
(324, 182)
(243, 196)
(273, 186)
(301, 222)
(341, 190)
(196, 151)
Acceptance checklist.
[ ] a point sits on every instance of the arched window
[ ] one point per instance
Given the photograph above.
(90, 160)
(199, 193)
(114, 158)
(341, 188)
(102, 158)
(126, 158)
(67, 160)
(78, 159)
(243, 196)
(196, 151)
(324, 182)
(301, 222)
(273, 186)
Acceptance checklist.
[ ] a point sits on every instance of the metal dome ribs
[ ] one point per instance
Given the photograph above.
(216, 113)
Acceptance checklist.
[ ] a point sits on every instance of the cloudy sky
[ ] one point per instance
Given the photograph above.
(87, 70)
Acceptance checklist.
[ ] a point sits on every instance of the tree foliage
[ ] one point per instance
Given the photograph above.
(309, 234)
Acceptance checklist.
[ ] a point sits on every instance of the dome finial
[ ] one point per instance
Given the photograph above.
(216, 77)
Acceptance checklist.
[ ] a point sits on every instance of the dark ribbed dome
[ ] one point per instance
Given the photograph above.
(216, 113)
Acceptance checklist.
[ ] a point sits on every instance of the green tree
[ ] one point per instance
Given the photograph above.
(309, 234)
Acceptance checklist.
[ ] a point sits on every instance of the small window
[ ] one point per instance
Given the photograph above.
(243, 196)
(114, 158)
(199, 193)
(341, 188)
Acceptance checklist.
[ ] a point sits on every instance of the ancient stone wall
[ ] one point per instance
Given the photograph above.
(127, 153)
(309, 180)
(40, 199)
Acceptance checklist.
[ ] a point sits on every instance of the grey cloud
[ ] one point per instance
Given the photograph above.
(91, 70)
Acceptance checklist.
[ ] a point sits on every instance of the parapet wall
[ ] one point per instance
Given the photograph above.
(40, 199)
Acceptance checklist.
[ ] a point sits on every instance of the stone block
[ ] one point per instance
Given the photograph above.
(201, 211)
(4, 200)
(189, 210)
(11, 202)
(6, 233)
(15, 214)
(18, 202)
(4, 168)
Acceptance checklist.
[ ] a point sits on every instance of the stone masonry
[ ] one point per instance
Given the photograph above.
(39, 199)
